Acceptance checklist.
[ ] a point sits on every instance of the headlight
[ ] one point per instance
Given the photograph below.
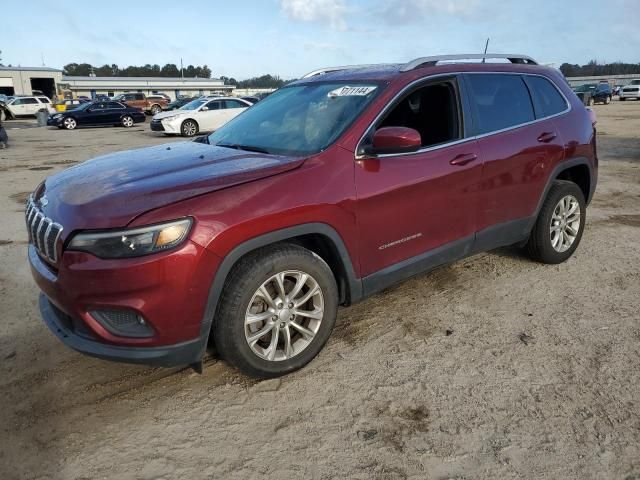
(172, 117)
(57, 115)
(132, 242)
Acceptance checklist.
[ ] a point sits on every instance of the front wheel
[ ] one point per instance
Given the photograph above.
(607, 100)
(127, 121)
(558, 229)
(276, 312)
(590, 101)
(69, 123)
(155, 109)
(622, 99)
(189, 128)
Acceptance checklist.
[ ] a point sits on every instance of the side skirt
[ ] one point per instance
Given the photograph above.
(496, 236)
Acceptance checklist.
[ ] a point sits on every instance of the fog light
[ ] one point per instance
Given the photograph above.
(123, 323)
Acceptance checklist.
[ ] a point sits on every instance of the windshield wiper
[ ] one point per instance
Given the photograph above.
(247, 148)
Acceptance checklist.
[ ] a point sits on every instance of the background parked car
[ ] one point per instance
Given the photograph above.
(139, 100)
(201, 115)
(97, 113)
(591, 93)
(631, 91)
(180, 102)
(68, 104)
(28, 106)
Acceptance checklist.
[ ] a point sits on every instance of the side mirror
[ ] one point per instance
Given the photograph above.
(204, 109)
(396, 140)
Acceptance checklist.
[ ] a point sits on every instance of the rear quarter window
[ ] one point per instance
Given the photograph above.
(547, 100)
(500, 101)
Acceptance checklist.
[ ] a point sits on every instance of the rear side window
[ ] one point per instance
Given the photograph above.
(115, 105)
(234, 104)
(500, 101)
(546, 97)
(43, 99)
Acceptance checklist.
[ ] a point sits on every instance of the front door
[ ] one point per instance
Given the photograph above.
(417, 210)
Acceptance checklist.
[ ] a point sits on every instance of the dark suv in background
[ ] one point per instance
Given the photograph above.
(331, 189)
(591, 93)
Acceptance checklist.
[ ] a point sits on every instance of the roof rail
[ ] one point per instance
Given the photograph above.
(322, 71)
(432, 61)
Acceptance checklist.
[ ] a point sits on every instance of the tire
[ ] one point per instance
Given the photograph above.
(189, 128)
(622, 99)
(260, 269)
(590, 102)
(69, 123)
(607, 100)
(155, 109)
(127, 121)
(541, 245)
(3, 115)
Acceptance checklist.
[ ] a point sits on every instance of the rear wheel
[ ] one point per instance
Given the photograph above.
(590, 101)
(276, 312)
(558, 229)
(189, 128)
(127, 121)
(69, 123)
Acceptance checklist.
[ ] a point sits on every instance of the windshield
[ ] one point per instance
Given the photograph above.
(193, 105)
(297, 120)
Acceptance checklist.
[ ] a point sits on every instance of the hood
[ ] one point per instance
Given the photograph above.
(111, 190)
(171, 113)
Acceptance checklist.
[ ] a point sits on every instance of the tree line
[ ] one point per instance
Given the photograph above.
(593, 68)
(169, 70)
(263, 81)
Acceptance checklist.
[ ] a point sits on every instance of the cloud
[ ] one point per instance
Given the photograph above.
(410, 11)
(331, 12)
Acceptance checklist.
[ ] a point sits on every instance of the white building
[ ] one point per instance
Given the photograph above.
(111, 86)
(24, 80)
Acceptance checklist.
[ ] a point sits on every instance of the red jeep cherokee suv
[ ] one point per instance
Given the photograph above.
(329, 190)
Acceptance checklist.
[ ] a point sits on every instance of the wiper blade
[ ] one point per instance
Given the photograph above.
(247, 148)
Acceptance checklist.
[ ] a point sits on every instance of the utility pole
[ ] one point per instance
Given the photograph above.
(181, 72)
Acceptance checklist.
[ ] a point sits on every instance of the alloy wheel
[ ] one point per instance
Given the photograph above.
(189, 129)
(69, 123)
(127, 122)
(565, 223)
(284, 315)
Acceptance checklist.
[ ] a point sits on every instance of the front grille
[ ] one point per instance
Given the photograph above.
(43, 232)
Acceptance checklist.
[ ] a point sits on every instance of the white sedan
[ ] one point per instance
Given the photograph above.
(200, 115)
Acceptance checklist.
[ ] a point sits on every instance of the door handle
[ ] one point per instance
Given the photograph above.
(463, 159)
(546, 137)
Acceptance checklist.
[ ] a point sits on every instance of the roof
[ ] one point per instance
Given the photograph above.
(443, 63)
(30, 69)
(70, 78)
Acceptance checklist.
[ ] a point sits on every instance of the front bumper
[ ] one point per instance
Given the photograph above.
(156, 126)
(169, 290)
(54, 122)
(64, 328)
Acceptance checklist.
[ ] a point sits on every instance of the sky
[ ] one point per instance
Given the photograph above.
(288, 38)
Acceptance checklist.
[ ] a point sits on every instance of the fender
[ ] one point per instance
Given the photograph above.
(559, 168)
(354, 284)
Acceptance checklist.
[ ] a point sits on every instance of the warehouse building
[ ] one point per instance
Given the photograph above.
(24, 80)
(111, 86)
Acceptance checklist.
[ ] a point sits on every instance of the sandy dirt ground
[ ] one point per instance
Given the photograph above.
(494, 367)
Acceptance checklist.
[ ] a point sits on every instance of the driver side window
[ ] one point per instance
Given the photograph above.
(215, 105)
(431, 110)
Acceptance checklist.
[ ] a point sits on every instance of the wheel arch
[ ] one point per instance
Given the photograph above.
(563, 171)
(320, 238)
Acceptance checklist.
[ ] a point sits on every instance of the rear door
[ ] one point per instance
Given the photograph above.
(519, 147)
(96, 114)
(417, 210)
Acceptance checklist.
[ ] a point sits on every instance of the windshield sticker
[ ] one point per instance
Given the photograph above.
(347, 91)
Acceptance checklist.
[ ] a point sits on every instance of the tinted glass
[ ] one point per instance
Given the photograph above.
(29, 100)
(214, 106)
(500, 101)
(234, 104)
(44, 100)
(546, 97)
(114, 105)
